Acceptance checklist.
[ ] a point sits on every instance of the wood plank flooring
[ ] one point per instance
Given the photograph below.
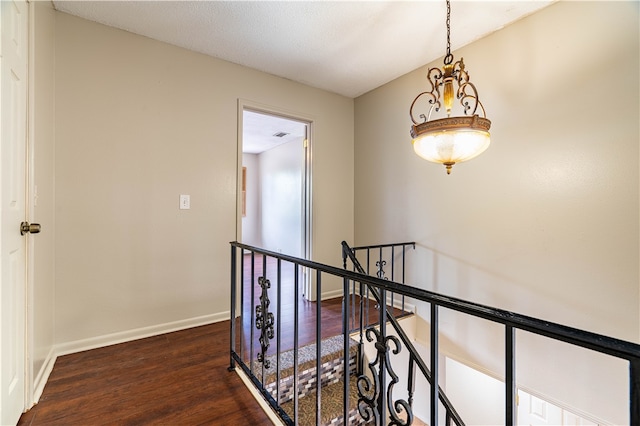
(178, 378)
(330, 310)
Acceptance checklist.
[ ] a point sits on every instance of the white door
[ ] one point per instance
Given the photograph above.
(533, 411)
(13, 134)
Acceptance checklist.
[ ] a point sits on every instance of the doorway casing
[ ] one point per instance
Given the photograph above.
(307, 282)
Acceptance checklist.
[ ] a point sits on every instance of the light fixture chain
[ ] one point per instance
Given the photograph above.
(448, 59)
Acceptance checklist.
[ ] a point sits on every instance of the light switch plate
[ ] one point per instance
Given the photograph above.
(185, 202)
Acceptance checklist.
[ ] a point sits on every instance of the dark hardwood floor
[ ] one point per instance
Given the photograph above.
(178, 378)
(330, 310)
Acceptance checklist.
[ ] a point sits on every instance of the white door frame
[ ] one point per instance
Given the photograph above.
(31, 193)
(307, 208)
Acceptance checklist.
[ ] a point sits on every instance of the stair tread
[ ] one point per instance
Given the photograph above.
(331, 404)
(330, 348)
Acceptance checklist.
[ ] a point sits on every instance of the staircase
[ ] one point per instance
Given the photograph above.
(331, 382)
(289, 381)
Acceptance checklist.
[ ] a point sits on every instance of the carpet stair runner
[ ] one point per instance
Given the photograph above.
(331, 382)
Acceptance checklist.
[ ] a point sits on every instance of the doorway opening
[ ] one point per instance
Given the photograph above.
(275, 184)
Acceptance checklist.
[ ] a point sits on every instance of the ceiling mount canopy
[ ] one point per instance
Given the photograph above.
(452, 139)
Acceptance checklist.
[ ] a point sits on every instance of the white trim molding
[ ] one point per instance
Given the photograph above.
(137, 333)
(43, 376)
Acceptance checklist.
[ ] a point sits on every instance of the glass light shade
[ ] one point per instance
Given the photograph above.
(451, 140)
(451, 146)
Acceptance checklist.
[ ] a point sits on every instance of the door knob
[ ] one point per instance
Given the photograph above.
(26, 227)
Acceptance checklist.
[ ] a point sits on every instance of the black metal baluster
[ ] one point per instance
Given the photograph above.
(252, 314)
(434, 364)
(634, 391)
(345, 358)
(265, 322)
(411, 383)
(380, 274)
(353, 307)
(344, 255)
(318, 348)
(362, 325)
(393, 263)
(232, 363)
(347, 296)
(404, 251)
(382, 373)
(353, 311)
(278, 329)
(510, 377)
(263, 352)
(367, 290)
(243, 333)
(296, 384)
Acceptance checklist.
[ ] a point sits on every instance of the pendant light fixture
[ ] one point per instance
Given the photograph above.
(452, 139)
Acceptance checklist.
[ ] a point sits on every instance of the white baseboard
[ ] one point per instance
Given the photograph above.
(137, 333)
(397, 303)
(397, 300)
(332, 294)
(43, 376)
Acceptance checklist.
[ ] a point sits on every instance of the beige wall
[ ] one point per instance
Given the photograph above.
(42, 125)
(546, 222)
(139, 122)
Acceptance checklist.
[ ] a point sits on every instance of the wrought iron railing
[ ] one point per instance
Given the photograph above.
(382, 252)
(386, 261)
(250, 314)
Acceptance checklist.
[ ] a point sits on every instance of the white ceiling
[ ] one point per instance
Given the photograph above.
(346, 47)
(259, 131)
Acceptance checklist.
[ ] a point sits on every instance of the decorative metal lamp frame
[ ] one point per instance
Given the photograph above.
(450, 140)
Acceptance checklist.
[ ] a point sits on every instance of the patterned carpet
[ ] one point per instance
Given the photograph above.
(330, 348)
(331, 394)
(331, 402)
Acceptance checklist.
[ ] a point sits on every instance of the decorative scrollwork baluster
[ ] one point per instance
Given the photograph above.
(264, 321)
(396, 407)
(369, 390)
(380, 274)
(381, 264)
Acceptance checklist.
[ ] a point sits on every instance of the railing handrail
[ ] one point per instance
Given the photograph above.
(413, 352)
(586, 339)
(377, 246)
